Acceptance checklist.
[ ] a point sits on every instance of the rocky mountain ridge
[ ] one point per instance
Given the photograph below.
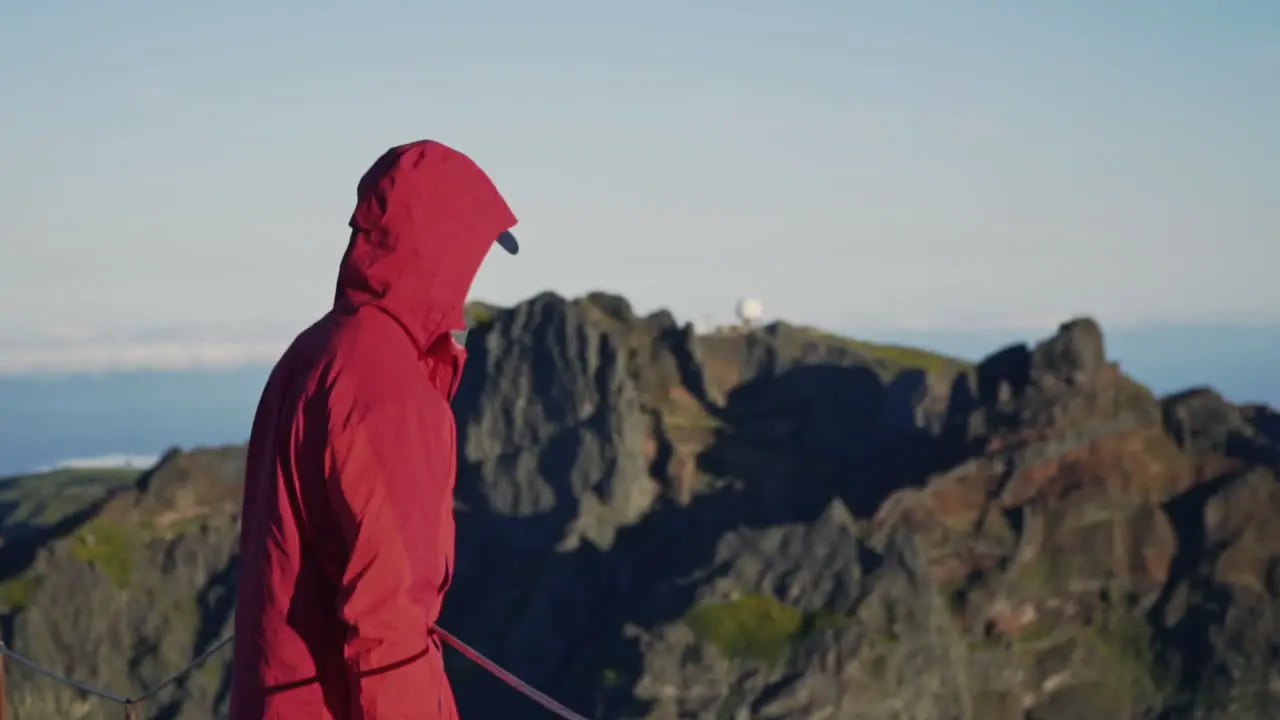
(770, 523)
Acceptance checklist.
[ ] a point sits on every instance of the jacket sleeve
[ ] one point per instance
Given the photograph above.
(391, 487)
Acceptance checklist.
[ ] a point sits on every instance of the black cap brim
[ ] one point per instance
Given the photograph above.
(507, 242)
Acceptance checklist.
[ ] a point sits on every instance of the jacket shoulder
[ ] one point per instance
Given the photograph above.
(373, 368)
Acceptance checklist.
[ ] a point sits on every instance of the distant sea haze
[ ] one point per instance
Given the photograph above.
(123, 461)
(122, 419)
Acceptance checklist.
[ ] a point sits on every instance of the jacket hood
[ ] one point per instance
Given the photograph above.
(426, 216)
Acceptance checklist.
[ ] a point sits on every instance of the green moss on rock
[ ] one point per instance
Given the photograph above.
(893, 359)
(17, 592)
(823, 620)
(756, 627)
(479, 314)
(44, 499)
(1042, 576)
(1126, 640)
(108, 547)
(751, 627)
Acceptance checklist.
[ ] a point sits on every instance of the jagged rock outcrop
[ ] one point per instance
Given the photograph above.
(553, 437)
(765, 523)
(118, 584)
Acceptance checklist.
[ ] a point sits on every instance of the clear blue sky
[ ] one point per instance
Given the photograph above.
(181, 173)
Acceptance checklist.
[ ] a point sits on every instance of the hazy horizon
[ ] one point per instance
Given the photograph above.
(50, 418)
(190, 347)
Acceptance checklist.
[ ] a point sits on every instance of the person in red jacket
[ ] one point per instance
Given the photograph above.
(347, 530)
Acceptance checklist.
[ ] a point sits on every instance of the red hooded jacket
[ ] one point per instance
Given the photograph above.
(347, 532)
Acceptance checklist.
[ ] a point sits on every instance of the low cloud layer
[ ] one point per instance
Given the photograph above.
(68, 349)
(75, 349)
(113, 460)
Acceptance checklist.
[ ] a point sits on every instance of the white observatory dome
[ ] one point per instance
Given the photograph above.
(750, 310)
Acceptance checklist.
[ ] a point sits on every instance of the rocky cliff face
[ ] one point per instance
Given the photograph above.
(767, 524)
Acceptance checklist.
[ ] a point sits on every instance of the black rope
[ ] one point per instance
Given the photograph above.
(471, 653)
(106, 695)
